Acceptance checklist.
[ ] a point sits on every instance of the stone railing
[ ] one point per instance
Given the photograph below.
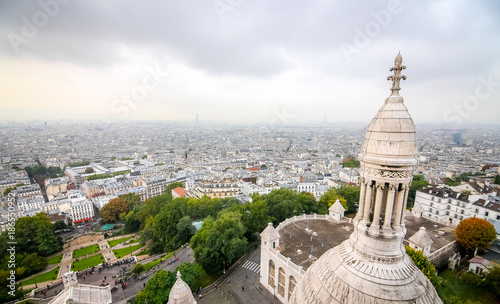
(441, 250)
(277, 256)
(301, 218)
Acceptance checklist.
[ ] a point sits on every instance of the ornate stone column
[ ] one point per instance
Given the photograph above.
(399, 206)
(391, 199)
(378, 205)
(368, 201)
(361, 207)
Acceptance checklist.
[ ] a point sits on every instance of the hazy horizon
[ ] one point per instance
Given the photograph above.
(280, 62)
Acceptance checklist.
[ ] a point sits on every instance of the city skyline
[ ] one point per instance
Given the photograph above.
(247, 62)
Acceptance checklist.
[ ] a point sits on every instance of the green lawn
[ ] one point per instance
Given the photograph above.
(47, 276)
(124, 251)
(88, 262)
(113, 243)
(458, 288)
(85, 250)
(54, 260)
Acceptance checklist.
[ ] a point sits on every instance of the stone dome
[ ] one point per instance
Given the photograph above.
(180, 293)
(342, 275)
(391, 136)
(372, 265)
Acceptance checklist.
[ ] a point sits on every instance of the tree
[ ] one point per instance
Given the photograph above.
(497, 179)
(112, 210)
(192, 274)
(89, 170)
(157, 289)
(424, 265)
(492, 281)
(219, 242)
(6, 293)
(351, 195)
(418, 183)
(59, 225)
(475, 233)
(351, 163)
(138, 268)
(255, 216)
(132, 199)
(185, 230)
(46, 240)
(327, 200)
(284, 203)
(34, 262)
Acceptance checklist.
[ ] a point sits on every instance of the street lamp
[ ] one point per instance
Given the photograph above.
(34, 278)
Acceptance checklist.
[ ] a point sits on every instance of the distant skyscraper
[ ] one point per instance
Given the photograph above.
(197, 118)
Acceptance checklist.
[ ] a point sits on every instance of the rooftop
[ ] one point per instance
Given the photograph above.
(330, 234)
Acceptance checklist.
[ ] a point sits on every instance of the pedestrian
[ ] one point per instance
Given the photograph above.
(242, 288)
(228, 281)
(84, 278)
(144, 285)
(216, 286)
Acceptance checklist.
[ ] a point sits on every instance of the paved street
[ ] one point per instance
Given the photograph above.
(247, 275)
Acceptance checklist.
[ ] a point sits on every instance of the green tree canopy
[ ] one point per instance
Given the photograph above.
(351, 163)
(351, 196)
(327, 200)
(475, 233)
(284, 203)
(112, 210)
(423, 264)
(157, 289)
(137, 269)
(220, 241)
(59, 225)
(418, 183)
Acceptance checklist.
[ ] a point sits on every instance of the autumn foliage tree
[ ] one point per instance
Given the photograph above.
(422, 262)
(112, 210)
(475, 233)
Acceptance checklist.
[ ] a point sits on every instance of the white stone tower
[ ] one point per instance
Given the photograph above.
(180, 293)
(372, 265)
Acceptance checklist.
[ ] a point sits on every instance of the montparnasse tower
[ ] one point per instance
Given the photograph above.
(372, 265)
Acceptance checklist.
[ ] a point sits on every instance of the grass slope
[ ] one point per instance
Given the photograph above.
(85, 250)
(44, 277)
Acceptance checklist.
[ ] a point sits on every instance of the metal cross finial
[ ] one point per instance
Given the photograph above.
(397, 68)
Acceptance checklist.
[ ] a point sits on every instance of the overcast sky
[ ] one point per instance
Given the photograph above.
(271, 61)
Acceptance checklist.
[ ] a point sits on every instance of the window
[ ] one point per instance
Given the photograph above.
(291, 286)
(448, 207)
(456, 216)
(432, 204)
(281, 282)
(437, 212)
(432, 198)
(477, 210)
(498, 217)
(486, 213)
(461, 217)
(462, 211)
(430, 210)
(272, 271)
(447, 212)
